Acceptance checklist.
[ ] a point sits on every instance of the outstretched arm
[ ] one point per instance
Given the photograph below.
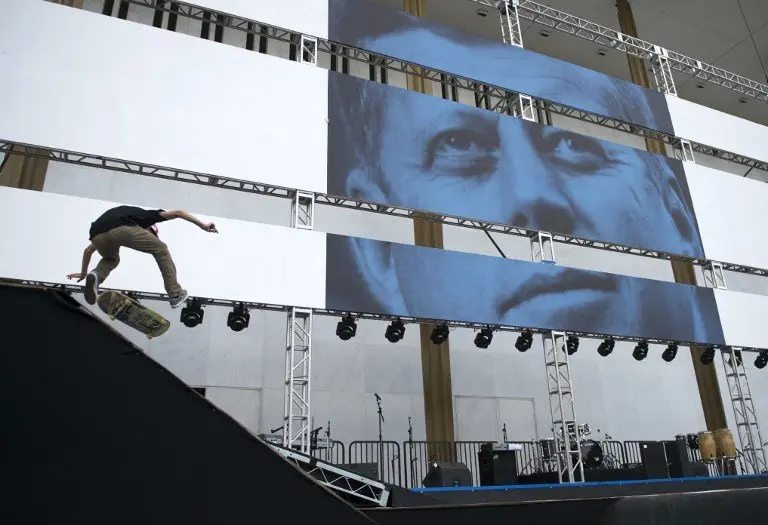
(181, 214)
(87, 253)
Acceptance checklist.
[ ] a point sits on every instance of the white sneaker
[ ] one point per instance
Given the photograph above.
(91, 287)
(178, 300)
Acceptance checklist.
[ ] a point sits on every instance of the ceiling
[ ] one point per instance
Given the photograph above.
(713, 31)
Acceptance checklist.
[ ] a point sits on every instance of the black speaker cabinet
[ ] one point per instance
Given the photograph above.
(497, 467)
(654, 459)
(444, 474)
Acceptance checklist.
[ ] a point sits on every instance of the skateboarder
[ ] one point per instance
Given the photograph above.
(134, 228)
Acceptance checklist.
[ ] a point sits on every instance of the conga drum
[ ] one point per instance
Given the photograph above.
(707, 446)
(724, 443)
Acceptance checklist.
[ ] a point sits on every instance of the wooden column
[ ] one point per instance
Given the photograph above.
(435, 359)
(18, 171)
(706, 375)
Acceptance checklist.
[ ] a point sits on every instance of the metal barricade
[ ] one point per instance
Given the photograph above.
(384, 453)
(335, 454)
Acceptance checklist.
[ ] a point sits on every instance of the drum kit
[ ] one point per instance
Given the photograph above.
(592, 451)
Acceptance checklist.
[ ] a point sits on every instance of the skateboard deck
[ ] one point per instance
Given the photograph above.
(132, 313)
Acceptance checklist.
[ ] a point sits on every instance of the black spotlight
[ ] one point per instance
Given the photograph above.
(669, 353)
(708, 355)
(761, 360)
(641, 351)
(484, 337)
(439, 334)
(395, 331)
(606, 347)
(572, 344)
(239, 318)
(524, 340)
(347, 328)
(192, 313)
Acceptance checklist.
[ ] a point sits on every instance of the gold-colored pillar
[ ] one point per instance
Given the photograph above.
(435, 359)
(19, 171)
(706, 375)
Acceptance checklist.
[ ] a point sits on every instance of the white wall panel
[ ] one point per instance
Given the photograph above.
(84, 82)
(244, 262)
(742, 316)
(732, 214)
(302, 16)
(717, 129)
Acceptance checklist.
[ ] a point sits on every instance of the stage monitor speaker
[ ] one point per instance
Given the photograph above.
(677, 457)
(654, 459)
(444, 474)
(367, 470)
(497, 467)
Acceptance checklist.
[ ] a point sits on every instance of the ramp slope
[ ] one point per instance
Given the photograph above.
(96, 432)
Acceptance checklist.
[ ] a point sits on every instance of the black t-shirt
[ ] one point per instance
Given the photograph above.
(125, 216)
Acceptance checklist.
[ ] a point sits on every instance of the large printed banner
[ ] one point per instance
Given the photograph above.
(87, 83)
(383, 30)
(392, 146)
(396, 279)
(260, 263)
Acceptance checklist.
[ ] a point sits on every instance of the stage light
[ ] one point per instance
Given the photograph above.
(641, 351)
(239, 318)
(572, 344)
(669, 354)
(761, 360)
(439, 334)
(484, 337)
(347, 328)
(192, 313)
(708, 355)
(395, 331)
(606, 347)
(738, 359)
(524, 340)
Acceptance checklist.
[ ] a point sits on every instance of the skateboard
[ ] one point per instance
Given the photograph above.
(132, 313)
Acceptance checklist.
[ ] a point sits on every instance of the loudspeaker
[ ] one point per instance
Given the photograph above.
(367, 470)
(444, 474)
(497, 467)
(680, 465)
(654, 459)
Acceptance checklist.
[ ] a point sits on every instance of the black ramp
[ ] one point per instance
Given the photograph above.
(95, 432)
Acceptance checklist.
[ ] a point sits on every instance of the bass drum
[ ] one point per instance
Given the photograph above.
(591, 454)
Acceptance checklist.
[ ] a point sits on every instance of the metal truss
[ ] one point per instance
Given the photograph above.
(662, 72)
(573, 25)
(304, 202)
(748, 429)
(542, 248)
(504, 99)
(714, 277)
(510, 23)
(353, 486)
(230, 303)
(570, 467)
(297, 419)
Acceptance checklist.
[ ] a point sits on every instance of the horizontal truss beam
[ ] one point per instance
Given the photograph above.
(95, 161)
(503, 98)
(573, 25)
(149, 296)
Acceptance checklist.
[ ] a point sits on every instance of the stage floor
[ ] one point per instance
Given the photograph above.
(573, 491)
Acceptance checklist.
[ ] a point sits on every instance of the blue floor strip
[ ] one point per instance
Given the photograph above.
(584, 484)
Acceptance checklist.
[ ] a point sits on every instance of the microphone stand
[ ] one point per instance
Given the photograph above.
(504, 432)
(412, 455)
(381, 439)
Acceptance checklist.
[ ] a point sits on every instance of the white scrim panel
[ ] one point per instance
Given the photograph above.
(732, 213)
(742, 316)
(45, 235)
(717, 129)
(302, 16)
(88, 83)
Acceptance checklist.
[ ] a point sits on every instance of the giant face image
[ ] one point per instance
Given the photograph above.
(389, 145)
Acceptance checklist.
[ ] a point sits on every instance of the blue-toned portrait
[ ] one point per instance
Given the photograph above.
(393, 146)
(369, 276)
(390, 32)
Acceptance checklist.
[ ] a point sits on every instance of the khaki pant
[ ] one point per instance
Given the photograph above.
(108, 245)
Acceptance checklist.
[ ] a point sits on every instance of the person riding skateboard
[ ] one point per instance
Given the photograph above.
(134, 228)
